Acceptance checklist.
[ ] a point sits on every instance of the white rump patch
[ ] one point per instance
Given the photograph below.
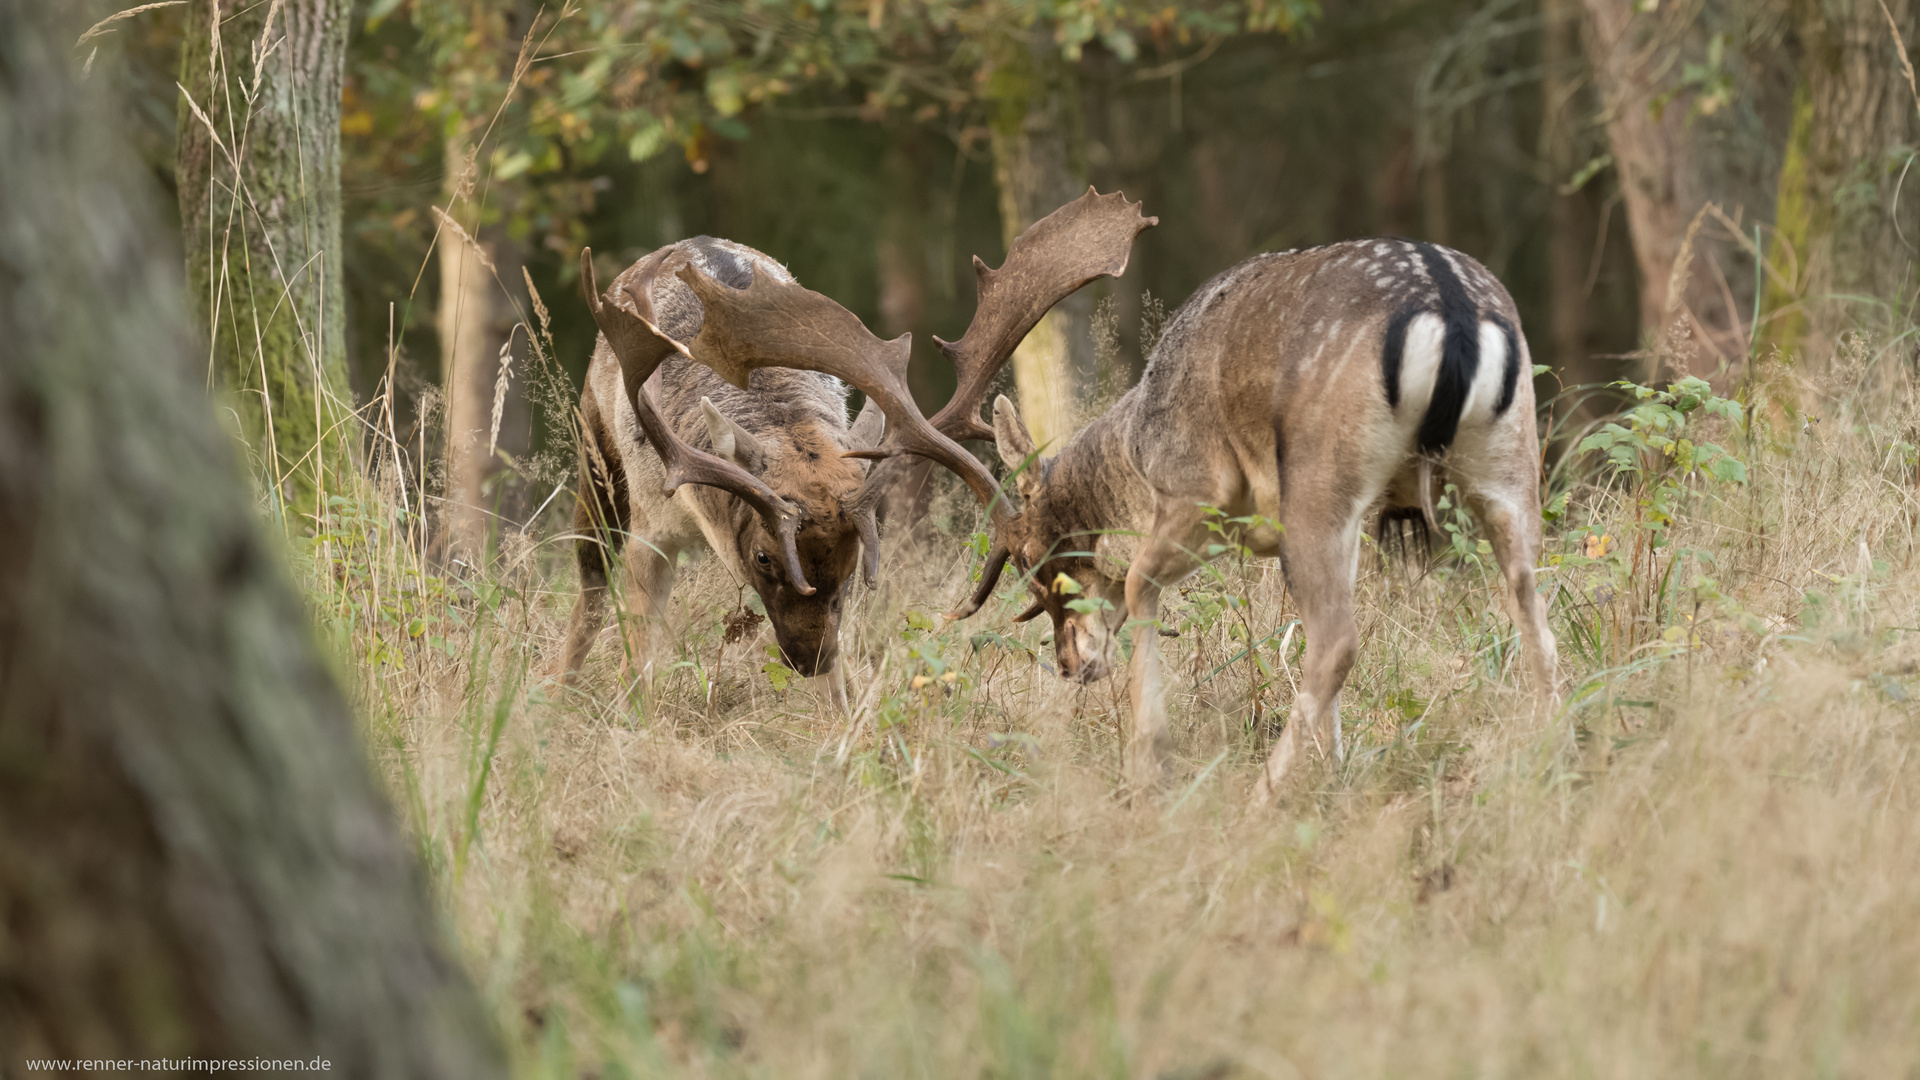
(1484, 394)
(1419, 365)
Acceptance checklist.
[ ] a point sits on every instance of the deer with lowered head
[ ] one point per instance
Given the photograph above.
(715, 412)
(1301, 392)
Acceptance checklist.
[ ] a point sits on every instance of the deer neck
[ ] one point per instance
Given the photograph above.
(1093, 488)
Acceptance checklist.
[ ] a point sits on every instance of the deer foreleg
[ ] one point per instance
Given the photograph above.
(650, 577)
(1164, 559)
(589, 612)
(832, 686)
(1319, 553)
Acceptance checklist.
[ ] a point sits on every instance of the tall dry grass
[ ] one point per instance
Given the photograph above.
(1704, 864)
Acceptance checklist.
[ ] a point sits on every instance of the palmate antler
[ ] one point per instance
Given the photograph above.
(780, 324)
(641, 348)
(1088, 238)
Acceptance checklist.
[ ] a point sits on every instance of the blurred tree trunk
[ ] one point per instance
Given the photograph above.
(1570, 243)
(479, 282)
(194, 857)
(1660, 174)
(1835, 219)
(1645, 148)
(260, 209)
(901, 253)
(1036, 134)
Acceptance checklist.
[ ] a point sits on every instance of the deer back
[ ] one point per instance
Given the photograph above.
(1388, 347)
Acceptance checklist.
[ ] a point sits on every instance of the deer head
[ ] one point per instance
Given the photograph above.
(800, 522)
(1059, 563)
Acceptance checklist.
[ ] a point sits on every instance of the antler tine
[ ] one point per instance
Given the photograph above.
(773, 323)
(1088, 238)
(641, 348)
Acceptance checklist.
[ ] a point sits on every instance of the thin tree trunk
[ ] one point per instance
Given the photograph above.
(1661, 185)
(259, 176)
(1035, 136)
(194, 857)
(479, 274)
(901, 252)
(1644, 150)
(1570, 245)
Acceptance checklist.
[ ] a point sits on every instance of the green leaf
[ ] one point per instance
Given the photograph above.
(646, 142)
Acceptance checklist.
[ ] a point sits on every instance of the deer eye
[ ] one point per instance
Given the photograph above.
(761, 558)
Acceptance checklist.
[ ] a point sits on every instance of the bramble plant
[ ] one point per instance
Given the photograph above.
(1657, 451)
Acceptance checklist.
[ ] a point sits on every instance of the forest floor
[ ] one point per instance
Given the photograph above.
(1705, 862)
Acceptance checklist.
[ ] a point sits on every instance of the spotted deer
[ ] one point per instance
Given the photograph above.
(715, 411)
(1301, 392)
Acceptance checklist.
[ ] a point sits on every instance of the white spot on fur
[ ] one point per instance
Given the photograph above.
(1386, 282)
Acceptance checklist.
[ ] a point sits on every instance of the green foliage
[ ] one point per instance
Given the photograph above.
(595, 83)
(1654, 444)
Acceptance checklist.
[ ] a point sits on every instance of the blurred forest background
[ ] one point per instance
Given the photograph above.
(1664, 185)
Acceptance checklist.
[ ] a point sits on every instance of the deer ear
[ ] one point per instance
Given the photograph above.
(868, 427)
(731, 441)
(1015, 444)
(1010, 433)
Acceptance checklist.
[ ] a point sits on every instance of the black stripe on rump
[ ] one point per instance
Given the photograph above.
(1459, 354)
(1391, 356)
(1511, 377)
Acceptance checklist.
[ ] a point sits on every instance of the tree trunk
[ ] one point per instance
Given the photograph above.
(1035, 134)
(1570, 243)
(194, 857)
(260, 209)
(901, 252)
(479, 280)
(1660, 184)
(1835, 216)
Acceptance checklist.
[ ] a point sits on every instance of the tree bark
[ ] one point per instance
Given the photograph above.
(1570, 245)
(259, 176)
(1835, 216)
(479, 283)
(901, 252)
(1035, 135)
(1660, 179)
(194, 857)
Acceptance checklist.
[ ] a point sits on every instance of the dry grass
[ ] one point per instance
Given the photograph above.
(1704, 865)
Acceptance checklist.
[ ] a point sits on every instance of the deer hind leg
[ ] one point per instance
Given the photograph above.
(1318, 551)
(596, 521)
(1512, 520)
(1163, 559)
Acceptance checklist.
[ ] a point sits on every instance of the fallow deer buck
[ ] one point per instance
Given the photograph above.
(780, 495)
(1303, 390)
